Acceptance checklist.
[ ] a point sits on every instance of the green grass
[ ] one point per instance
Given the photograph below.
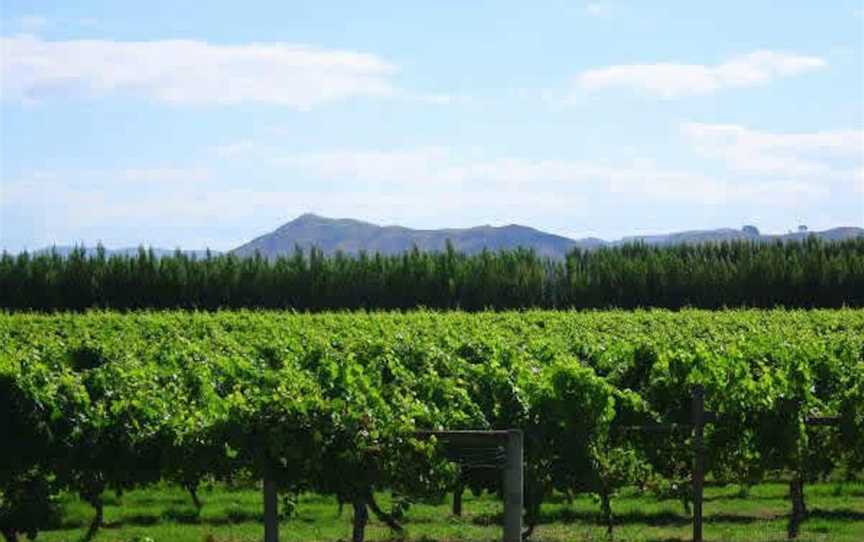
(166, 514)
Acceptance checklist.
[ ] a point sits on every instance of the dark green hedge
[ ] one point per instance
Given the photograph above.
(811, 273)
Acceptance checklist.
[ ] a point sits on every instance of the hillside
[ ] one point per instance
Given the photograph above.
(352, 236)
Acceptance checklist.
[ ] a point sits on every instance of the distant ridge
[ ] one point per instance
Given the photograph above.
(353, 236)
(744, 234)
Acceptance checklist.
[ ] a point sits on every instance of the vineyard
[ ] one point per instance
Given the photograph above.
(332, 404)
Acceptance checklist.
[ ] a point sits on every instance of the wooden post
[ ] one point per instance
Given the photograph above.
(698, 420)
(513, 488)
(457, 496)
(361, 518)
(799, 509)
(271, 512)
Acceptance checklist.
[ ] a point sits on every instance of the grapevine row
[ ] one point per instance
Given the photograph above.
(330, 402)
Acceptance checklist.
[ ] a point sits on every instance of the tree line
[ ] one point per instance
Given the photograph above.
(811, 273)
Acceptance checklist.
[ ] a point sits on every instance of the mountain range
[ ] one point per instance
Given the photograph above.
(351, 236)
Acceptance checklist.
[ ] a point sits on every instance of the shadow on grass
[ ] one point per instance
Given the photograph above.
(659, 519)
(134, 519)
(186, 517)
(566, 516)
(656, 519)
(182, 515)
(841, 514)
(159, 501)
(736, 518)
(738, 497)
(191, 517)
(843, 493)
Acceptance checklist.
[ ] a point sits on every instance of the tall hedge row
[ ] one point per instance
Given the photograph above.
(811, 273)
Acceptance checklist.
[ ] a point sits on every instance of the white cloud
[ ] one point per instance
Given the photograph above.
(439, 170)
(31, 23)
(425, 166)
(817, 156)
(39, 184)
(421, 187)
(433, 166)
(673, 80)
(439, 99)
(859, 180)
(426, 186)
(170, 214)
(839, 142)
(598, 9)
(158, 175)
(190, 72)
(238, 148)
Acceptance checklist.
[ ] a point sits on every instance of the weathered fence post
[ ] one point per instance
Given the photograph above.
(799, 508)
(513, 488)
(457, 496)
(698, 421)
(483, 450)
(271, 512)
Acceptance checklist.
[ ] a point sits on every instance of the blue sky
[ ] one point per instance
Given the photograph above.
(199, 124)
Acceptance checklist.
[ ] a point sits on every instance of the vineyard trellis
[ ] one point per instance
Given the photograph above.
(484, 449)
(323, 403)
(502, 450)
(698, 418)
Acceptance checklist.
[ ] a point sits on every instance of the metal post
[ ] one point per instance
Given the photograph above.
(271, 513)
(698, 415)
(513, 488)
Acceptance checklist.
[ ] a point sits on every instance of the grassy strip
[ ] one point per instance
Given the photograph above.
(166, 514)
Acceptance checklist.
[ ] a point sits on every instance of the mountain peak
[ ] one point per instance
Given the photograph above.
(306, 220)
(309, 217)
(316, 220)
